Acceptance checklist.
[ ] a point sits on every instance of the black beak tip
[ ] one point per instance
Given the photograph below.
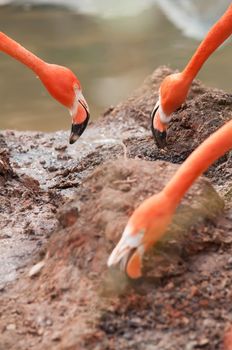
(160, 138)
(73, 138)
(77, 130)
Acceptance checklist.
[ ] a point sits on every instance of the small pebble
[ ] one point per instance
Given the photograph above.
(40, 331)
(11, 327)
(56, 337)
(35, 270)
(191, 345)
(202, 342)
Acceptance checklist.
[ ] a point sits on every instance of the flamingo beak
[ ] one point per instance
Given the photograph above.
(78, 129)
(80, 121)
(158, 129)
(128, 254)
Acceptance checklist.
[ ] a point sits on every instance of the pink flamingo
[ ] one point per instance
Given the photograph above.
(174, 88)
(150, 220)
(60, 82)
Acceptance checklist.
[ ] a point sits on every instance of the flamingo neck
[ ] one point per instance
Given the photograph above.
(215, 37)
(210, 150)
(15, 50)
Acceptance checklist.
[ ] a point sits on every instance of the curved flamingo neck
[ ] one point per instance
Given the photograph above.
(15, 50)
(215, 37)
(210, 150)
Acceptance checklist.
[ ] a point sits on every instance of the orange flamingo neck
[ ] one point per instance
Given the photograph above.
(15, 50)
(210, 150)
(215, 37)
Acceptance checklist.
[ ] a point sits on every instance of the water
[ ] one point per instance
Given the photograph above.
(110, 55)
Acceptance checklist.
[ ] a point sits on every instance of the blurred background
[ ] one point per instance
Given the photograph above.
(111, 45)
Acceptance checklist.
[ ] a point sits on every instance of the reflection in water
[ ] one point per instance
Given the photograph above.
(111, 57)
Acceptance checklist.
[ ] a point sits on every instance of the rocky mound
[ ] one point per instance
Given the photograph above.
(70, 300)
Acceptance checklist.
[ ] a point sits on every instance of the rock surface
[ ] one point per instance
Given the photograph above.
(67, 206)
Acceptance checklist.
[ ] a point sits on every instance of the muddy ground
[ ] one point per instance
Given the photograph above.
(67, 206)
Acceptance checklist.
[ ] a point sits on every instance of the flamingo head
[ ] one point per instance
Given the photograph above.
(64, 86)
(172, 94)
(146, 226)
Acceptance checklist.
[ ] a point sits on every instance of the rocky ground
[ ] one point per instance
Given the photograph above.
(66, 206)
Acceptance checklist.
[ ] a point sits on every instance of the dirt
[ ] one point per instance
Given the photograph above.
(67, 206)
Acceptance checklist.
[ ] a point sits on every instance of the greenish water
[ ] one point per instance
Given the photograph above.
(111, 57)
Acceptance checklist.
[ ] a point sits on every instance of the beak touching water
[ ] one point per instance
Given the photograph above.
(158, 128)
(80, 119)
(128, 253)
